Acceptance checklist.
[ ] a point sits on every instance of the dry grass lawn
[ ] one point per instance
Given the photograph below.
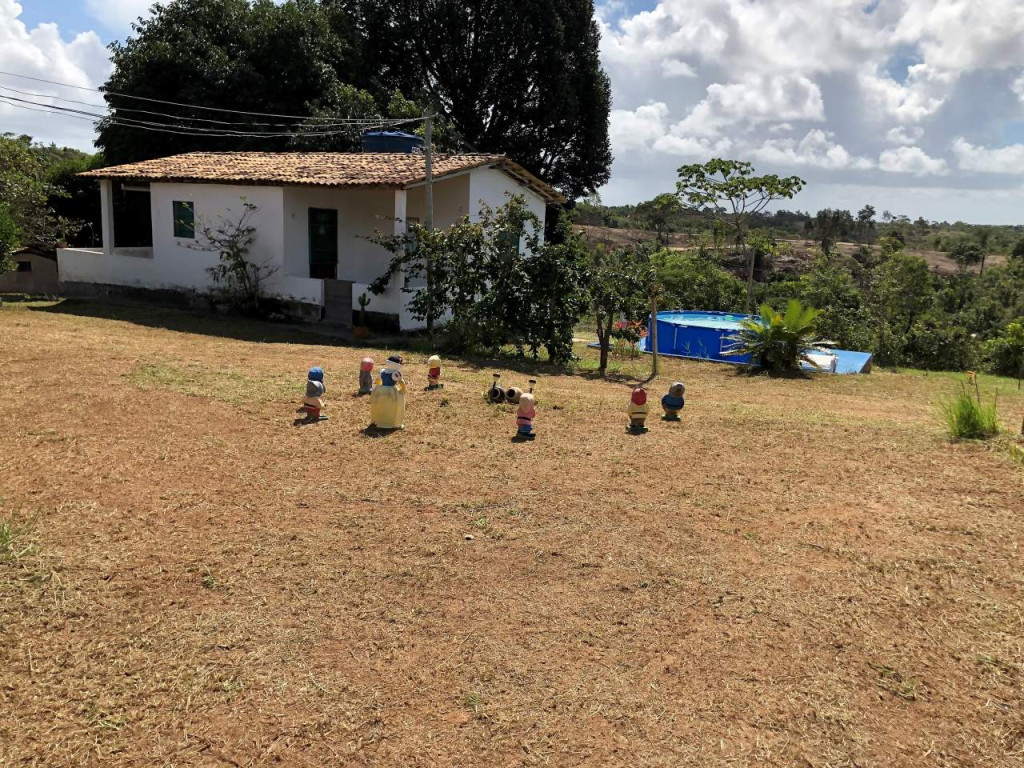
(801, 573)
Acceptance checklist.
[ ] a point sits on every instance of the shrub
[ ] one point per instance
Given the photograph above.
(777, 342)
(1004, 355)
(966, 418)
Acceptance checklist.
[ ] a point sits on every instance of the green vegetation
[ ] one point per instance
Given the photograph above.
(778, 342)
(494, 281)
(967, 418)
(14, 543)
(518, 79)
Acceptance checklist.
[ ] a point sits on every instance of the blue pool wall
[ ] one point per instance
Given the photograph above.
(676, 337)
(679, 338)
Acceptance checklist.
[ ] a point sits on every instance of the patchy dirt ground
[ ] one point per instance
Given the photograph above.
(797, 259)
(801, 573)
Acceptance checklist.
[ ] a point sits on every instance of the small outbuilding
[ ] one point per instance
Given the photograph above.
(315, 214)
(34, 273)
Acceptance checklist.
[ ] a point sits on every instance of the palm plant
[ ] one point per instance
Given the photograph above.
(778, 341)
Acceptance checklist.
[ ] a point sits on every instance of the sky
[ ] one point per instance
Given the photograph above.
(913, 106)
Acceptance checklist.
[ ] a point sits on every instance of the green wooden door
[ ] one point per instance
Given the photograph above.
(323, 243)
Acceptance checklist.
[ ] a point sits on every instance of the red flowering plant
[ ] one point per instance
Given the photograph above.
(627, 334)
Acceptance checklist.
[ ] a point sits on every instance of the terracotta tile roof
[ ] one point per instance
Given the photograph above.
(320, 169)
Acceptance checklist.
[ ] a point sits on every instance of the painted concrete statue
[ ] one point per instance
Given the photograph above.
(313, 402)
(366, 376)
(387, 401)
(434, 372)
(524, 416)
(496, 394)
(674, 401)
(638, 410)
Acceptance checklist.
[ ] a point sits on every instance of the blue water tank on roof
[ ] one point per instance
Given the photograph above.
(392, 141)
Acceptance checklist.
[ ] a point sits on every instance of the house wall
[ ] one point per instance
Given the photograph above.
(491, 186)
(171, 264)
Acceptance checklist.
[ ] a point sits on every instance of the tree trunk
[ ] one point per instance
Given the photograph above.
(602, 338)
(750, 275)
(654, 337)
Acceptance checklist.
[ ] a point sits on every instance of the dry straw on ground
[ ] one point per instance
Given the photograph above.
(801, 573)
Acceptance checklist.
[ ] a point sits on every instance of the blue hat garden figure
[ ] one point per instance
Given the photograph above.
(434, 372)
(313, 402)
(387, 401)
(638, 410)
(366, 376)
(673, 402)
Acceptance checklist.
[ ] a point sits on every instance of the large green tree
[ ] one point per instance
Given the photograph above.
(287, 59)
(727, 191)
(520, 78)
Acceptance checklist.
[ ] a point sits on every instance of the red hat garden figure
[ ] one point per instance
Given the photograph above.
(673, 402)
(434, 372)
(387, 401)
(638, 410)
(366, 376)
(313, 402)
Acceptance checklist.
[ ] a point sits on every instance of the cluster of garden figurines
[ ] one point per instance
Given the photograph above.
(671, 404)
(526, 403)
(387, 397)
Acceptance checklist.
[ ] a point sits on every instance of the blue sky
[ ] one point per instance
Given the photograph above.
(916, 106)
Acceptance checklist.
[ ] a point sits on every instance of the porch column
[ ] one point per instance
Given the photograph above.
(107, 215)
(400, 223)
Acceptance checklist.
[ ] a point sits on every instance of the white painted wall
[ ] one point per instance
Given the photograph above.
(173, 265)
(491, 186)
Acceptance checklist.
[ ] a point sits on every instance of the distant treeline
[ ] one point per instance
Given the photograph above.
(665, 216)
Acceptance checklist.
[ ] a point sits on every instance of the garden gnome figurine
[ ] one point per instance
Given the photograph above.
(524, 416)
(638, 410)
(512, 395)
(313, 402)
(366, 376)
(496, 394)
(387, 401)
(434, 373)
(673, 402)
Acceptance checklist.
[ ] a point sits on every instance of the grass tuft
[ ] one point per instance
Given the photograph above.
(13, 544)
(967, 418)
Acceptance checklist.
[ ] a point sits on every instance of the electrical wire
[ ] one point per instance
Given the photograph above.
(107, 92)
(194, 119)
(162, 128)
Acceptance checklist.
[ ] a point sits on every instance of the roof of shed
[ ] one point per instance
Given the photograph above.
(319, 169)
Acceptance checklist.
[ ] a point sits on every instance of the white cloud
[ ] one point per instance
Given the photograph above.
(677, 68)
(911, 160)
(1007, 160)
(904, 135)
(43, 53)
(694, 147)
(755, 100)
(816, 150)
(119, 14)
(640, 128)
(920, 96)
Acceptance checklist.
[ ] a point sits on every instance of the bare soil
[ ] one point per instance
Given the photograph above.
(802, 572)
(797, 260)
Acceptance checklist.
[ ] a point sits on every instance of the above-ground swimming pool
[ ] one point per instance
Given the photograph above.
(707, 336)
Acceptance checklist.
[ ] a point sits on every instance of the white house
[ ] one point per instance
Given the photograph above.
(314, 213)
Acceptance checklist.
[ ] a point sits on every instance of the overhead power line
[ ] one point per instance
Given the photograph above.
(339, 119)
(244, 124)
(164, 128)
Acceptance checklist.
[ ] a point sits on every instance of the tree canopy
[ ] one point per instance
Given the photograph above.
(523, 79)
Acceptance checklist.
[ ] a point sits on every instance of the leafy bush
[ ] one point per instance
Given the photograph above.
(694, 280)
(966, 418)
(938, 344)
(777, 342)
(1004, 355)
